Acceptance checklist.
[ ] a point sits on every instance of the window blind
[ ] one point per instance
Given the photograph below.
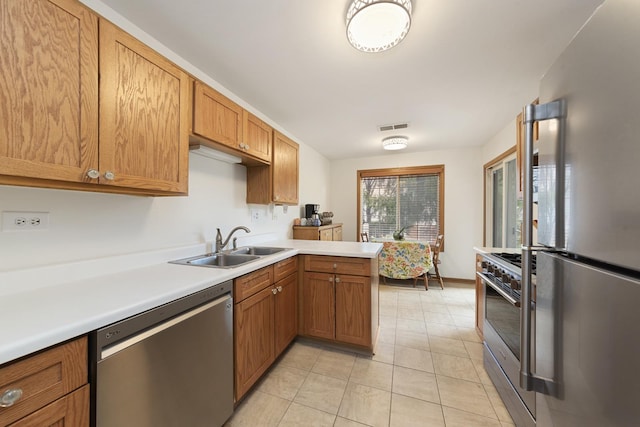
(392, 202)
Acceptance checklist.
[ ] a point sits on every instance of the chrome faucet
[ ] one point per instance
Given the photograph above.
(221, 244)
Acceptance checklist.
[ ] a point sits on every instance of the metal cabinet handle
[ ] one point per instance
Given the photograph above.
(331, 279)
(93, 174)
(335, 266)
(337, 280)
(279, 288)
(109, 175)
(274, 291)
(10, 397)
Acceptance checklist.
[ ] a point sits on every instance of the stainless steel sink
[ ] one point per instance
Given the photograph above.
(218, 260)
(257, 250)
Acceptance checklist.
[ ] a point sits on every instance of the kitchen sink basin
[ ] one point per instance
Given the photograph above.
(218, 260)
(257, 250)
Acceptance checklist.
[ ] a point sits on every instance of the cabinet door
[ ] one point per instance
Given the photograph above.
(318, 305)
(257, 137)
(284, 170)
(337, 233)
(286, 320)
(216, 117)
(70, 410)
(353, 309)
(254, 344)
(326, 234)
(144, 132)
(48, 90)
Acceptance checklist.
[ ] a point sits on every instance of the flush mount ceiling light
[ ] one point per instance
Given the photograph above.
(378, 25)
(395, 143)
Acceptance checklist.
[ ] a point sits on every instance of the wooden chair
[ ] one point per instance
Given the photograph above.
(435, 249)
(364, 237)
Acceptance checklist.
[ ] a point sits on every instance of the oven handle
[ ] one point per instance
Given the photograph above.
(505, 295)
(532, 113)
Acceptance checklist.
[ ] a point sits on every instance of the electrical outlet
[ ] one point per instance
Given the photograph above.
(255, 215)
(25, 221)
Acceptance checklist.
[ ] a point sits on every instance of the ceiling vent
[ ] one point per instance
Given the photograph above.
(396, 126)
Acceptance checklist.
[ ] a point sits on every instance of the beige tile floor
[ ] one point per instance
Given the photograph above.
(427, 371)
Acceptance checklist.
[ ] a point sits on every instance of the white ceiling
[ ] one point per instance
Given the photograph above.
(462, 74)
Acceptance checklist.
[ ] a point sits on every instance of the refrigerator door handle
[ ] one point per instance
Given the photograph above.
(532, 113)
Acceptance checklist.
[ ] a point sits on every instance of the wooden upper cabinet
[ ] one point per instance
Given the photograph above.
(216, 117)
(285, 170)
(144, 115)
(276, 183)
(48, 90)
(257, 137)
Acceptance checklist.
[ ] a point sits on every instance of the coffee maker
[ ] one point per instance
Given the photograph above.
(311, 211)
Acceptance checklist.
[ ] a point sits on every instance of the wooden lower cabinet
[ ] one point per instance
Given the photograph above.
(318, 294)
(71, 410)
(254, 343)
(265, 320)
(339, 299)
(286, 322)
(331, 232)
(353, 309)
(53, 384)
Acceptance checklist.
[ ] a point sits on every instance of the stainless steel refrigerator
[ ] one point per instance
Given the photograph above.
(581, 337)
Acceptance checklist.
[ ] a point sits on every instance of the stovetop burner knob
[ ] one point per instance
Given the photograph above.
(515, 284)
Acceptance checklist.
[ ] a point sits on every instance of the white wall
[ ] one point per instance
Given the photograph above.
(501, 142)
(463, 200)
(85, 225)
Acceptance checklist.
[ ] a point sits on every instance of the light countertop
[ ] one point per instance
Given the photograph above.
(44, 306)
(490, 250)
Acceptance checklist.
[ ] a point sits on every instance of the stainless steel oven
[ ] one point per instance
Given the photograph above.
(501, 278)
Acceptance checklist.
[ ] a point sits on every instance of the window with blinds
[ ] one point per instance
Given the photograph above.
(409, 198)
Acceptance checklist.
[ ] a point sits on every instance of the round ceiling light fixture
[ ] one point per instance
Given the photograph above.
(378, 25)
(395, 143)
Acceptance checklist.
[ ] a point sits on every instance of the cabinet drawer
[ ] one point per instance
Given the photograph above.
(44, 377)
(70, 410)
(249, 284)
(338, 265)
(284, 268)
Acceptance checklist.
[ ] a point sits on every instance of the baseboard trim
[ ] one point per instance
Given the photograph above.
(455, 279)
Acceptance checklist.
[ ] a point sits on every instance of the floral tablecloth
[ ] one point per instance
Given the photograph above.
(404, 259)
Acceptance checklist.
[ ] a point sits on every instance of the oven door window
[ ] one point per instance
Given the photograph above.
(504, 318)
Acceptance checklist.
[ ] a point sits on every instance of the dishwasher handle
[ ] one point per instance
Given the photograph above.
(119, 346)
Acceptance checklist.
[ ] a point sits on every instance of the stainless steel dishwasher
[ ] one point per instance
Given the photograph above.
(171, 366)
